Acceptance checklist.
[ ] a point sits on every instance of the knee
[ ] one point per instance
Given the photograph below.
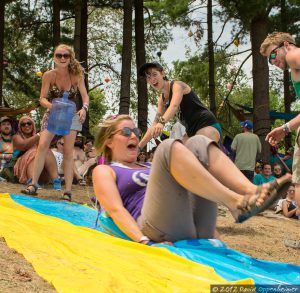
(165, 146)
(198, 145)
(196, 142)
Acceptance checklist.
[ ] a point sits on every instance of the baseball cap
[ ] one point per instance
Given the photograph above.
(146, 66)
(247, 124)
(5, 118)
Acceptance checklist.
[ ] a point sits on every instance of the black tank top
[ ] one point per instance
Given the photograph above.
(192, 113)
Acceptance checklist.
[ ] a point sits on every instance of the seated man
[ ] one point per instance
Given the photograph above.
(6, 146)
(266, 175)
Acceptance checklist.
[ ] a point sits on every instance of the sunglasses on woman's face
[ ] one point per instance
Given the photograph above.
(65, 55)
(126, 131)
(29, 123)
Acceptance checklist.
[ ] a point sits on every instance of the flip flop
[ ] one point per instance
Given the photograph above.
(292, 243)
(67, 196)
(276, 191)
(29, 191)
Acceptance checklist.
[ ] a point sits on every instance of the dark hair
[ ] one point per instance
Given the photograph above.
(145, 67)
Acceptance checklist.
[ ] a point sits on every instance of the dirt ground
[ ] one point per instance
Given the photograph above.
(261, 237)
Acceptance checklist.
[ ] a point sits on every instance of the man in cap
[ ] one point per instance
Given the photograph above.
(246, 146)
(6, 146)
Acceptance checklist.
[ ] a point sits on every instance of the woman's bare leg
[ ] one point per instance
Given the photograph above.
(39, 160)
(217, 161)
(69, 141)
(50, 165)
(191, 174)
(210, 132)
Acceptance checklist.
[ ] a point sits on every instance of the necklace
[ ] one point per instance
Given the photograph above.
(5, 139)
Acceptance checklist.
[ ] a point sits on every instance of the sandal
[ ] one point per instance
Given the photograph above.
(292, 243)
(67, 196)
(29, 191)
(249, 210)
(95, 202)
(82, 182)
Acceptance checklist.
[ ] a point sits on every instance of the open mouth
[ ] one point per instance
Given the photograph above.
(132, 146)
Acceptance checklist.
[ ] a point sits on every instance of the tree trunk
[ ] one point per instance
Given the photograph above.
(260, 71)
(81, 49)
(2, 8)
(211, 59)
(56, 23)
(77, 9)
(140, 60)
(84, 56)
(126, 58)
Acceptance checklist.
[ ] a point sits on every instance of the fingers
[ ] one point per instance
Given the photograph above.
(156, 131)
(82, 115)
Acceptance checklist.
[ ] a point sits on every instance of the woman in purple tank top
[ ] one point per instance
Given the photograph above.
(176, 197)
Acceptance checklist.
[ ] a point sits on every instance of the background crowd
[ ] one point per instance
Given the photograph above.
(18, 143)
(18, 146)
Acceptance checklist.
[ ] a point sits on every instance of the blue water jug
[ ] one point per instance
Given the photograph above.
(61, 115)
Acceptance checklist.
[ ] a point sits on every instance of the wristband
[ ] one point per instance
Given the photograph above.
(85, 108)
(286, 128)
(162, 120)
(143, 238)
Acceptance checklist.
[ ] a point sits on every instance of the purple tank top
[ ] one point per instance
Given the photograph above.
(132, 185)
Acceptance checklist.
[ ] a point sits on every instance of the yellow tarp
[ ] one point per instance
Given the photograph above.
(76, 259)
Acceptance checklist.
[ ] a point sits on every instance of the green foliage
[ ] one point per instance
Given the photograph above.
(173, 8)
(97, 109)
(245, 11)
(194, 71)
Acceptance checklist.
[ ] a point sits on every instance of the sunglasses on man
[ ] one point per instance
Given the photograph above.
(126, 131)
(59, 55)
(273, 53)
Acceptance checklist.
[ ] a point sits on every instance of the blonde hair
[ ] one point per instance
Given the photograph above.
(20, 132)
(75, 67)
(276, 39)
(105, 132)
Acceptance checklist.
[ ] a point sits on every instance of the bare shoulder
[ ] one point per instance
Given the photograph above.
(103, 171)
(49, 75)
(181, 86)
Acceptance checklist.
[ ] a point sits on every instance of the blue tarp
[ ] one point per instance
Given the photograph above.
(228, 263)
(273, 114)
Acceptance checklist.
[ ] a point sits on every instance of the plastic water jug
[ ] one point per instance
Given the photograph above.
(61, 115)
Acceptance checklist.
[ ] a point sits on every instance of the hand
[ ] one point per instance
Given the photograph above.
(275, 136)
(82, 115)
(157, 130)
(163, 242)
